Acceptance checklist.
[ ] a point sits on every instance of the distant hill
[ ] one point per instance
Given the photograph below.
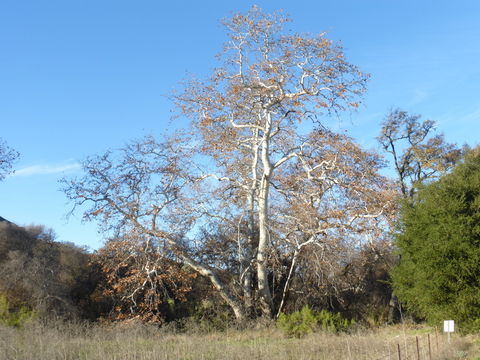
(4, 220)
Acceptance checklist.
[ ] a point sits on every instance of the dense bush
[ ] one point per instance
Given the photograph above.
(306, 321)
(14, 317)
(439, 244)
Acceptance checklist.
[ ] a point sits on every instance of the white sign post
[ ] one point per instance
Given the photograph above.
(448, 327)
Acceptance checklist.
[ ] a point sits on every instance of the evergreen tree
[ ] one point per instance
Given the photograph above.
(439, 242)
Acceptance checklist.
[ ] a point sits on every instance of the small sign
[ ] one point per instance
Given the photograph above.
(448, 326)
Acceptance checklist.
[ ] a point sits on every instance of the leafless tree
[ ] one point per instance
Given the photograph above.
(418, 154)
(259, 167)
(253, 112)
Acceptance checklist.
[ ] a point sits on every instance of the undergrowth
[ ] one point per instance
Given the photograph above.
(14, 317)
(306, 321)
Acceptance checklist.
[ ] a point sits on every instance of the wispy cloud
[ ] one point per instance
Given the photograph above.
(46, 169)
(453, 119)
(471, 117)
(419, 96)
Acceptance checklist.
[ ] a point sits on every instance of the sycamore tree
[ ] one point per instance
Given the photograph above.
(7, 158)
(252, 116)
(260, 177)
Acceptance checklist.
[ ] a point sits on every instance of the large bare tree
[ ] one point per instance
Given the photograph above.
(260, 168)
(253, 113)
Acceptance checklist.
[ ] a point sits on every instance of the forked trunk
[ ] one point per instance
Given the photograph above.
(266, 303)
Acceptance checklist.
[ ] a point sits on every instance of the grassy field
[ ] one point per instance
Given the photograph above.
(139, 342)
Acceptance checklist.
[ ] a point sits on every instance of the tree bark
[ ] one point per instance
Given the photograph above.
(249, 251)
(247, 277)
(262, 272)
(266, 303)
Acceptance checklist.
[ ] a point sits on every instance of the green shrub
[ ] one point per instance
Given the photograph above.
(470, 327)
(14, 318)
(331, 322)
(438, 238)
(306, 321)
(298, 323)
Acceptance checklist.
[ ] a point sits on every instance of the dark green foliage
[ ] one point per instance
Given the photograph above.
(306, 321)
(439, 242)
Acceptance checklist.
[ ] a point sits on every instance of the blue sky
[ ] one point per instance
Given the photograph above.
(78, 77)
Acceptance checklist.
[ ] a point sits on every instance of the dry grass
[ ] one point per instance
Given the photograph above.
(139, 342)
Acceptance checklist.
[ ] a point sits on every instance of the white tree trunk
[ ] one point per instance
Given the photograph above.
(263, 223)
(247, 276)
(249, 251)
(262, 269)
